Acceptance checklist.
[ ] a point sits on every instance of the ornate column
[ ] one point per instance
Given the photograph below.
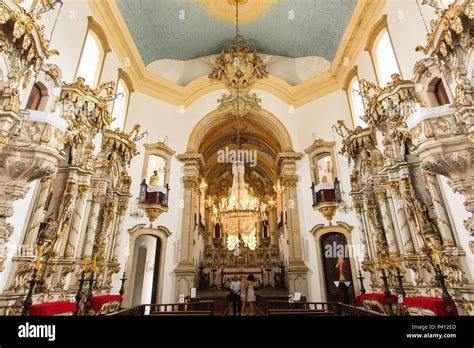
(407, 241)
(272, 226)
(358, 205)
(118, 232)
(387, 220)
(297, 269)
(92, 223)
(378, 237)
(38, 213)
(432, 187)
(209, 232)
(185, 270)
(76, 219)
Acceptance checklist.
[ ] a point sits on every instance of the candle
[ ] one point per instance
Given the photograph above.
(435, 254)
(95, 262)
(86, 263)
(395, 259)
(38, 260)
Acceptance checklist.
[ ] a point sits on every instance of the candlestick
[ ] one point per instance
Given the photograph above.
(401, 290)
(79, 291)
(361, 278)
(29, 298)
(94, 265)
(387, 292)
(441, 279)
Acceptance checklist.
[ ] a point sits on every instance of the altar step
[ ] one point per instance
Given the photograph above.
(223, 306)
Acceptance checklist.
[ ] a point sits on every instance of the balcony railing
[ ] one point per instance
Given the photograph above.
(157, 197)
(324, 193)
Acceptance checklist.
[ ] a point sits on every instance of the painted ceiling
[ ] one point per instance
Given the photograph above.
(188, 29)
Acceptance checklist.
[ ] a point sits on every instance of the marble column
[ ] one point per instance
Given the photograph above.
(258, 232)
(75, 223)
(407, 241)
(185, 271)
(272, 227)
(297, 269)
(209, 230)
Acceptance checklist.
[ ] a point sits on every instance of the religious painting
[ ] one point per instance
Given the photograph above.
(337, 269)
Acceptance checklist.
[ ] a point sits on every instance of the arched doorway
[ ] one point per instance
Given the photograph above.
(337, 269)
(336, 259)
(145, 269)
(145, 265)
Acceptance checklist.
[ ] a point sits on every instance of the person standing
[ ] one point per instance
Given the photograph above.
(251, 298)
(235, 292)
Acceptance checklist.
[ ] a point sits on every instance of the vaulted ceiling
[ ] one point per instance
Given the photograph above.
(187, 29)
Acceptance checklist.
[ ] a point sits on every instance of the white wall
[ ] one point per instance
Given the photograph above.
(21, 209)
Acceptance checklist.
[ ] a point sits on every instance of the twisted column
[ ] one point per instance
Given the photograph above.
(387, 221)
(76, 219)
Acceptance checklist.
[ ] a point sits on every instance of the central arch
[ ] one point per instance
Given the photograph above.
(262, 117)
(209, 179)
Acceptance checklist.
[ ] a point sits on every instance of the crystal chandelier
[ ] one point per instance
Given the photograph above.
(240, 212)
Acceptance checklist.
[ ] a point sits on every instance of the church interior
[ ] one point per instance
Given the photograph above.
(236, 157)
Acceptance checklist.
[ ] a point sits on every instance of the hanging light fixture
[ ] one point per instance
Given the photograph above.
(240, 211)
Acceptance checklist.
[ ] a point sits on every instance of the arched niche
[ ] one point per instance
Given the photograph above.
(49, 88)
(136, 232)
(157, 157)
(319, 232)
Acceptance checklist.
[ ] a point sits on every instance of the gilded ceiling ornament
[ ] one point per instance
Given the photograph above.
(238, 70)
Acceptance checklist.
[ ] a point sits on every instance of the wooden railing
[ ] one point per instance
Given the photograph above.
(323, 195)
(188, 308)
(146, 197)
